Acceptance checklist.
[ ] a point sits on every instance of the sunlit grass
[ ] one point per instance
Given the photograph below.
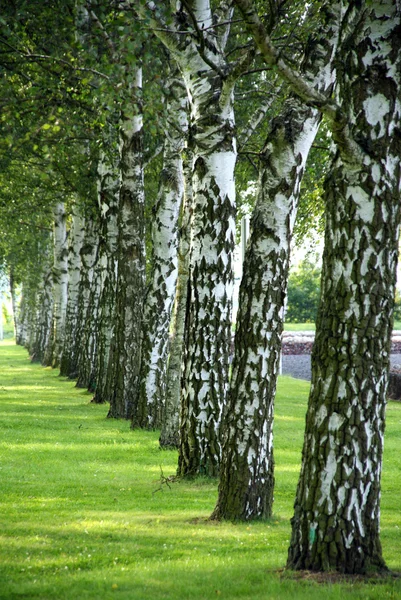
(84, 515)
(299, 326)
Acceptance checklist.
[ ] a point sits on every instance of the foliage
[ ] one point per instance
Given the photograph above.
(310, 218)
(397, 305)
(6, 316)
(82, 517)
(303, 292)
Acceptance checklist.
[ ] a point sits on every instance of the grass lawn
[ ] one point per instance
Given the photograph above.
(83, 515)
(299, 326)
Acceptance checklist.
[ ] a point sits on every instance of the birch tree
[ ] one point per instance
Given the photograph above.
(161, 292)
(108, 182)
(209, 80)
(169, 435)
(76, 240)
(60, 282)
(337, 507)
(89, 347)
(44, 315)
(125, 354)
(88, 255)
(247, 473)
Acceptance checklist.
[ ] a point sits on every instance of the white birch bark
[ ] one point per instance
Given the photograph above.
(60, 282)
(336, 521)
(14, 304)
(210, 81)
(60, 279)
(21, 320)
(29, 315)
(44, 315)
(169, 435)
(125, 354)
(161, 292)
(208, 320)
(76, 240)
(88, 256)
(87, 358)
(247, 473)
(108, 191)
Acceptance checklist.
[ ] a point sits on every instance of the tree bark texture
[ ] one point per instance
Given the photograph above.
(88, 256)
(87, 357)
(247, 471)
(209, 82)
(169, 435)
(44, 316)
(76, 240)
(161, 292)
(209, 302)
(125, 354)
(246, 477)
(21, 321)
(60, 282)
(337, 507)
(14, 303)
(108, 197)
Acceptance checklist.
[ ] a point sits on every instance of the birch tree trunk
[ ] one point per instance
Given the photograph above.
(13, 293)
(247, 473)
(60, 282)
(28, 310)
(76, 241)
(30, 314)
(125, 354)
(86, 363)
(208, 319)
(210, 83)
(44, 316)
(337, 507)
(21, 321)
(207, 336)
(246, 479)
(108, 198)
(161, 292)
(169, 435)
(88, 260)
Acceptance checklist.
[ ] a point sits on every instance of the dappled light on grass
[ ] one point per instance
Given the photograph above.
(83, 506)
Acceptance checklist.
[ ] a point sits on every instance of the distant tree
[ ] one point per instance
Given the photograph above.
(303, 292)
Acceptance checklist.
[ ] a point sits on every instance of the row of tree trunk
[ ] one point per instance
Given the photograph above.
(113, 331)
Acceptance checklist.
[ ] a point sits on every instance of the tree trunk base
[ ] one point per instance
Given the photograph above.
(169, 443)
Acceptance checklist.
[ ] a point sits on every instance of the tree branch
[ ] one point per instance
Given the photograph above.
(298, 83)
(99, 25)
(35, 226)
(254, 122)
(64, 62)
(201, 38)
(273, 58)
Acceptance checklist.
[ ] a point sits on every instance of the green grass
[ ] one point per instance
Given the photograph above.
(83, 516)
(299, 326)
